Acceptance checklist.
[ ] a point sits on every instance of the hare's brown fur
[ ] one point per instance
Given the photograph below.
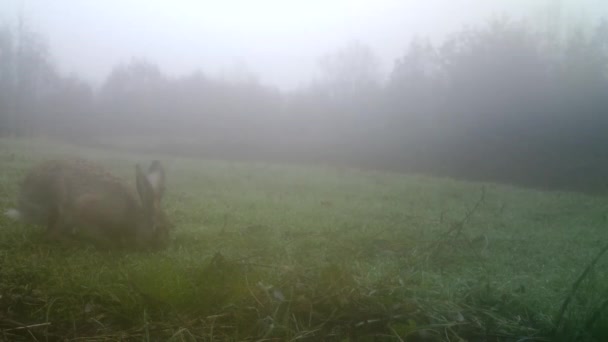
(77, 195)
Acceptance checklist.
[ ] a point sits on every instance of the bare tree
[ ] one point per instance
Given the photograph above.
(350, 72)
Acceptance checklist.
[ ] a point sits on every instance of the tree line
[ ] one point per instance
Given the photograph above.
(505, 101)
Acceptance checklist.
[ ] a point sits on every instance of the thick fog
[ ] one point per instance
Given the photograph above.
(509, 91)
(280, 41)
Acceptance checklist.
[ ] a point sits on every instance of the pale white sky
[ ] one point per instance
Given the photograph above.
(280, 40)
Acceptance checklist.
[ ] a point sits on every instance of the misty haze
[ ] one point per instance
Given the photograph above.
(317, 170)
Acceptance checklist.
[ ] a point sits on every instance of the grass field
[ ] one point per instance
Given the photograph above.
(265, 252)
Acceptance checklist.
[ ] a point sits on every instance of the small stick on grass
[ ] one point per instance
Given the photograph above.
(457, 227)
(29, 326)
(575, 287)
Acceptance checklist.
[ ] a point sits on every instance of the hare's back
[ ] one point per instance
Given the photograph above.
(67, 180)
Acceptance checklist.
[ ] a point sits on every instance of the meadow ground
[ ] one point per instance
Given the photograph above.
(311, 253)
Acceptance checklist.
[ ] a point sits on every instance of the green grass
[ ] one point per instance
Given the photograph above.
(283, 252)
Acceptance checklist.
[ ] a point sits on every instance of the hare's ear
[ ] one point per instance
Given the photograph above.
(144, 189)
(156, 177)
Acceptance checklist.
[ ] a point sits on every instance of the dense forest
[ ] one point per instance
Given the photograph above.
(506, 101)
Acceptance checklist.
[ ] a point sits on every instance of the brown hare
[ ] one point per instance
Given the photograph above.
(79, 196)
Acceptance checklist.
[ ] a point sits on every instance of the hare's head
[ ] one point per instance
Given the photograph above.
(153, 225)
